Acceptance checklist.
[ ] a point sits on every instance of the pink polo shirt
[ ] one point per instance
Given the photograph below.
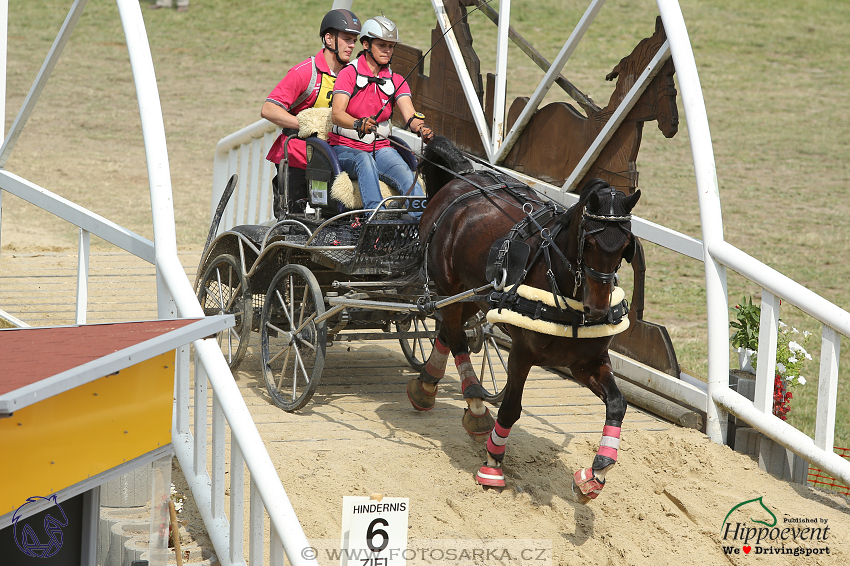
(368, 100)
(286, 92)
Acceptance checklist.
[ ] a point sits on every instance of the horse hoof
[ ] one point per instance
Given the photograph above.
(491, 477)
(586, 486)
(419, 398)
(478, 427)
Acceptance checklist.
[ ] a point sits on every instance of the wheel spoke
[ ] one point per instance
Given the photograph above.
(305, 343)
(301, 363)
(283, 305)
(283, 368)
(486, 356)
(303, 306)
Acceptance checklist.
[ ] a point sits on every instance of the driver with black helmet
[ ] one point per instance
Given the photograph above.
(308, 84)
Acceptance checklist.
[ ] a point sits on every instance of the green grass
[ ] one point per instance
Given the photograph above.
(774, 74)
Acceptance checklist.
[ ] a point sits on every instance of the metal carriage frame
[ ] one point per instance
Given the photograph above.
(308, 281)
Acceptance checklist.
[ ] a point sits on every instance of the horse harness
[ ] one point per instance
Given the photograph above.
(508, 264)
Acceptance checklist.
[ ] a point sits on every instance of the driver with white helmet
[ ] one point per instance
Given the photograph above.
(365, 93)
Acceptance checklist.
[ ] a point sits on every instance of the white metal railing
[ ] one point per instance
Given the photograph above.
(176, 298)
(244, 153)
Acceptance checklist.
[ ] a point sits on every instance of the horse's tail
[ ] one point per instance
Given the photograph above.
(441, 152)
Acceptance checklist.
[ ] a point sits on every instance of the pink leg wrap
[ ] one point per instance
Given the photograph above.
(436, 364)
(466, 371)
(498, 439)
(610, 442)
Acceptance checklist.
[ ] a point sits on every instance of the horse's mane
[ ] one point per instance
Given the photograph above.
(441, 151)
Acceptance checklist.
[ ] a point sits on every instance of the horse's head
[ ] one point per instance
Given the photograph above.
(658, 101)
(603, 236)
(442, 160)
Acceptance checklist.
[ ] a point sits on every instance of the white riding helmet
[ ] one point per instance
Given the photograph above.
(380, 27)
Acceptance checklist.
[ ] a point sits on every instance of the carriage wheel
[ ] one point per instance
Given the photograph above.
(489, 360)
(416, 350)
(293, 346)
(224, 290)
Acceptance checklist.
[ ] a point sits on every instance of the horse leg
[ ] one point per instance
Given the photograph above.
(477, 420)
(588, 482)
(519, 365)
(422, 391)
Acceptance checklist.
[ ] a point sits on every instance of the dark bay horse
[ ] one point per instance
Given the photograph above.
(592, 238)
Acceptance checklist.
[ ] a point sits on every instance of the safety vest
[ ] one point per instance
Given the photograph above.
(326, 88)
(386, 86)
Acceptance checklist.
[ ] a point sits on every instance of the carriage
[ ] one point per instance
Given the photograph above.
(324, 276)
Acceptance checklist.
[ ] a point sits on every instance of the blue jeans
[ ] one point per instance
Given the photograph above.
(388, 166)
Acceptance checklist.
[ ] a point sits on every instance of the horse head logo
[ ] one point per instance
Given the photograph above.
(29, 542)
(763, 506)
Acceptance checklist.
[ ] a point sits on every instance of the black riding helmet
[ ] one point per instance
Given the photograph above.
(338, 20)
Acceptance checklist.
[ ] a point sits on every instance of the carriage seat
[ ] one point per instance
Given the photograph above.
(252, 232)
(330, 187)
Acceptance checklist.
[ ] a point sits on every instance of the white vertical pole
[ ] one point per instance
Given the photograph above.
(181, 389)
(237, 501)
(766, 368)
(830, 351)
(82, 276)
(463, 76)
(276, 554)
(156, 150)
(709, 206)
(218, 452)
(257, 159)
(497, 128)
(548, 79)
(200, 449)
(255, 524)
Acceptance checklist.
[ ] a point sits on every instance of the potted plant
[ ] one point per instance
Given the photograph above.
(791, 353)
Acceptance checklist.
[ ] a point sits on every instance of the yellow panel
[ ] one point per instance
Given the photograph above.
(70, 437)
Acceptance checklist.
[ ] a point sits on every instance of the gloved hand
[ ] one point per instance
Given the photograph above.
(425, 133)
(365, 126)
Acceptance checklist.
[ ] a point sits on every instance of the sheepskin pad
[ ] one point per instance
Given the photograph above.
(314, 121)
(347, 191)
(552, 328)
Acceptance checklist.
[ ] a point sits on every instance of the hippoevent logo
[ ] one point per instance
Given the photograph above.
(797, 536)
(26, 538)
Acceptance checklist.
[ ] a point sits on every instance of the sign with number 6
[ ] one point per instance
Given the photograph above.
(374, 531)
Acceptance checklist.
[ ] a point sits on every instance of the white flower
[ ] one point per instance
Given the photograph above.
(806, 334)
(782, 325)
(808, 357)
(801, 380)
(794, 347)
(794, 330)
(792, 360)
(779, 367)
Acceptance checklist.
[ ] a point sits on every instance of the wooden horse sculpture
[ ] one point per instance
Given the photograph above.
(574, 254)
(557, 136)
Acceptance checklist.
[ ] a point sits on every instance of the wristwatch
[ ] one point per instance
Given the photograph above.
(416, 116)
